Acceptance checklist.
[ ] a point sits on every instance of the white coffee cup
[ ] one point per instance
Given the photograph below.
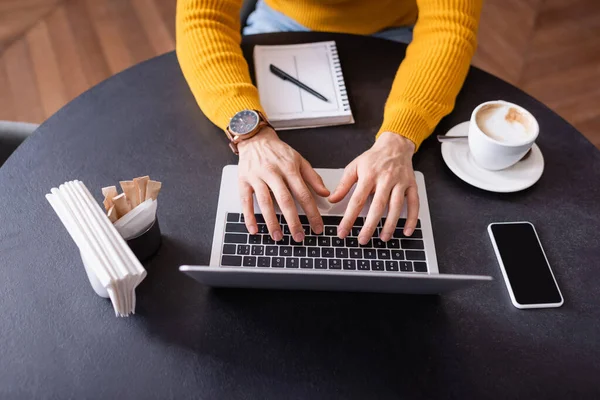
(500, 134)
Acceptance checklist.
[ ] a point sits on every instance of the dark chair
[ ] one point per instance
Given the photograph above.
(12, 134)
(247, 7)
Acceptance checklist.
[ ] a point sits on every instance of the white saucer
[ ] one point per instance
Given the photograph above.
(513, 179)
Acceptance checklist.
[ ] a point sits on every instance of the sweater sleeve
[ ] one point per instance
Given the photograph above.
(434, 69)
(211, 59)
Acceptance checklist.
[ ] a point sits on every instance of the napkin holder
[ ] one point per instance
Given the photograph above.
(144, 246)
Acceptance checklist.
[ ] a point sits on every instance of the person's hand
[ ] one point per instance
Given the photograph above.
(386, 171)
(267, 163)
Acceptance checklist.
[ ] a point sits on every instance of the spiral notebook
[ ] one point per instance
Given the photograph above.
(317, 65)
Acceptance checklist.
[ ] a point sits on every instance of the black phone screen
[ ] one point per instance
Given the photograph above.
(525, 264)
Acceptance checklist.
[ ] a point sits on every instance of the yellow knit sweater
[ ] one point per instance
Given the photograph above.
(425, 86)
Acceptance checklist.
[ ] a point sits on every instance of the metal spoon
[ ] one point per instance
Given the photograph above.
(444, 138)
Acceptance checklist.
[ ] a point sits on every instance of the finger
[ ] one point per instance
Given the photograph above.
(313, 179)
(380, 200)
(265, 202)
(287, 205)
(348, 179)
(394, 210)
(307, 202)
(355, 205)
(412, 203)
(247, 201)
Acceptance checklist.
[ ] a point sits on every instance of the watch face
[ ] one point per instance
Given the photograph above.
(244, 122)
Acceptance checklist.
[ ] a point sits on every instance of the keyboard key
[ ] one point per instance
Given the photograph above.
(299, 251)
(314, 252)
(383, 254)
(264, 262)
(235, 228)
(285, 241)
(294, 243)
(286, 230)
(231, 261)
(292, 263)
(356, 253)
(412, 244)
(272, 250)
(233, 217)
(397, 255)
(341, 253)
(327, 252)
(249, 261)
(406, 266)
(351, 242)
(378, 243)
(393, 244)
(306, 229)
(278, 262)
(303, 219)
(360, 221)
(310, 241)
(330, 231)
(266, 239)
(420, 266)
(334, 263)
(324, 241)
(391, 265)
(320, 263)
(262, 228)
(243, 250)
(242, 218)
(399, 233)
(337, 242)
(235, 238)
(254, 239)
(355, 231)
(370, 254)
(417, 234)
(349, 264)
(285, 251)
(258, 250)
(363, 265)
(415, 255)
(377, 265)
(259, 218)
(369, 244)
(306, 263)
(331, 220)
(229, 249)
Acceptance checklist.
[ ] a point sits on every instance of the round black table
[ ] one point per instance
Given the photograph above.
(59, 340)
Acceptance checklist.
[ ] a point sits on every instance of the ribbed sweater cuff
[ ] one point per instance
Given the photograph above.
(406, 122)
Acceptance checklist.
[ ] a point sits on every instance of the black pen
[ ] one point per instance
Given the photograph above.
(296, 82)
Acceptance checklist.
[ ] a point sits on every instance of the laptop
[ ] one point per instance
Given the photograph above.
(323, 262)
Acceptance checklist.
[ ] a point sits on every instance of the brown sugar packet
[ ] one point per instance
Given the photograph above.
(140, 184)
(109, 192)
(131, 193)
(152, 189)
(112, 214)
(121, 205)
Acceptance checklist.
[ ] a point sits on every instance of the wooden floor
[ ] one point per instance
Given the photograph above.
(52, 50)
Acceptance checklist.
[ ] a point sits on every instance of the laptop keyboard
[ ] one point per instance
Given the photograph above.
(324, 251)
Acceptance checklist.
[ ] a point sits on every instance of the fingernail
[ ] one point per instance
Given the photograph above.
(408, 231)
(342, 233)
(298, 237)
(318, 229)
(253, 229)
(385, 237)
(277, 236)
(363, 240)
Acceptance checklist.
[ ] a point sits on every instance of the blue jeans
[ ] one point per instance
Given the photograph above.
(265, 20)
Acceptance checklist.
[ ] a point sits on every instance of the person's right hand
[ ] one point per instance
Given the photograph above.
(267, 163)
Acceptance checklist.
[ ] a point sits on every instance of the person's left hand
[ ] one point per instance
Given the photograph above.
(386, 171)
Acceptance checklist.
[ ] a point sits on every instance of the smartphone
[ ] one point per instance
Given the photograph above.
(526, 271)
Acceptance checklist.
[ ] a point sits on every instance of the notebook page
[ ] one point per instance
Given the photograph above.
(314, 64)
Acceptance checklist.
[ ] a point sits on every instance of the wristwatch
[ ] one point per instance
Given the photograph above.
(244, 125)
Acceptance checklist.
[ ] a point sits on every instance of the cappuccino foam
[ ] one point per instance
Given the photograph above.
(504, 123)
